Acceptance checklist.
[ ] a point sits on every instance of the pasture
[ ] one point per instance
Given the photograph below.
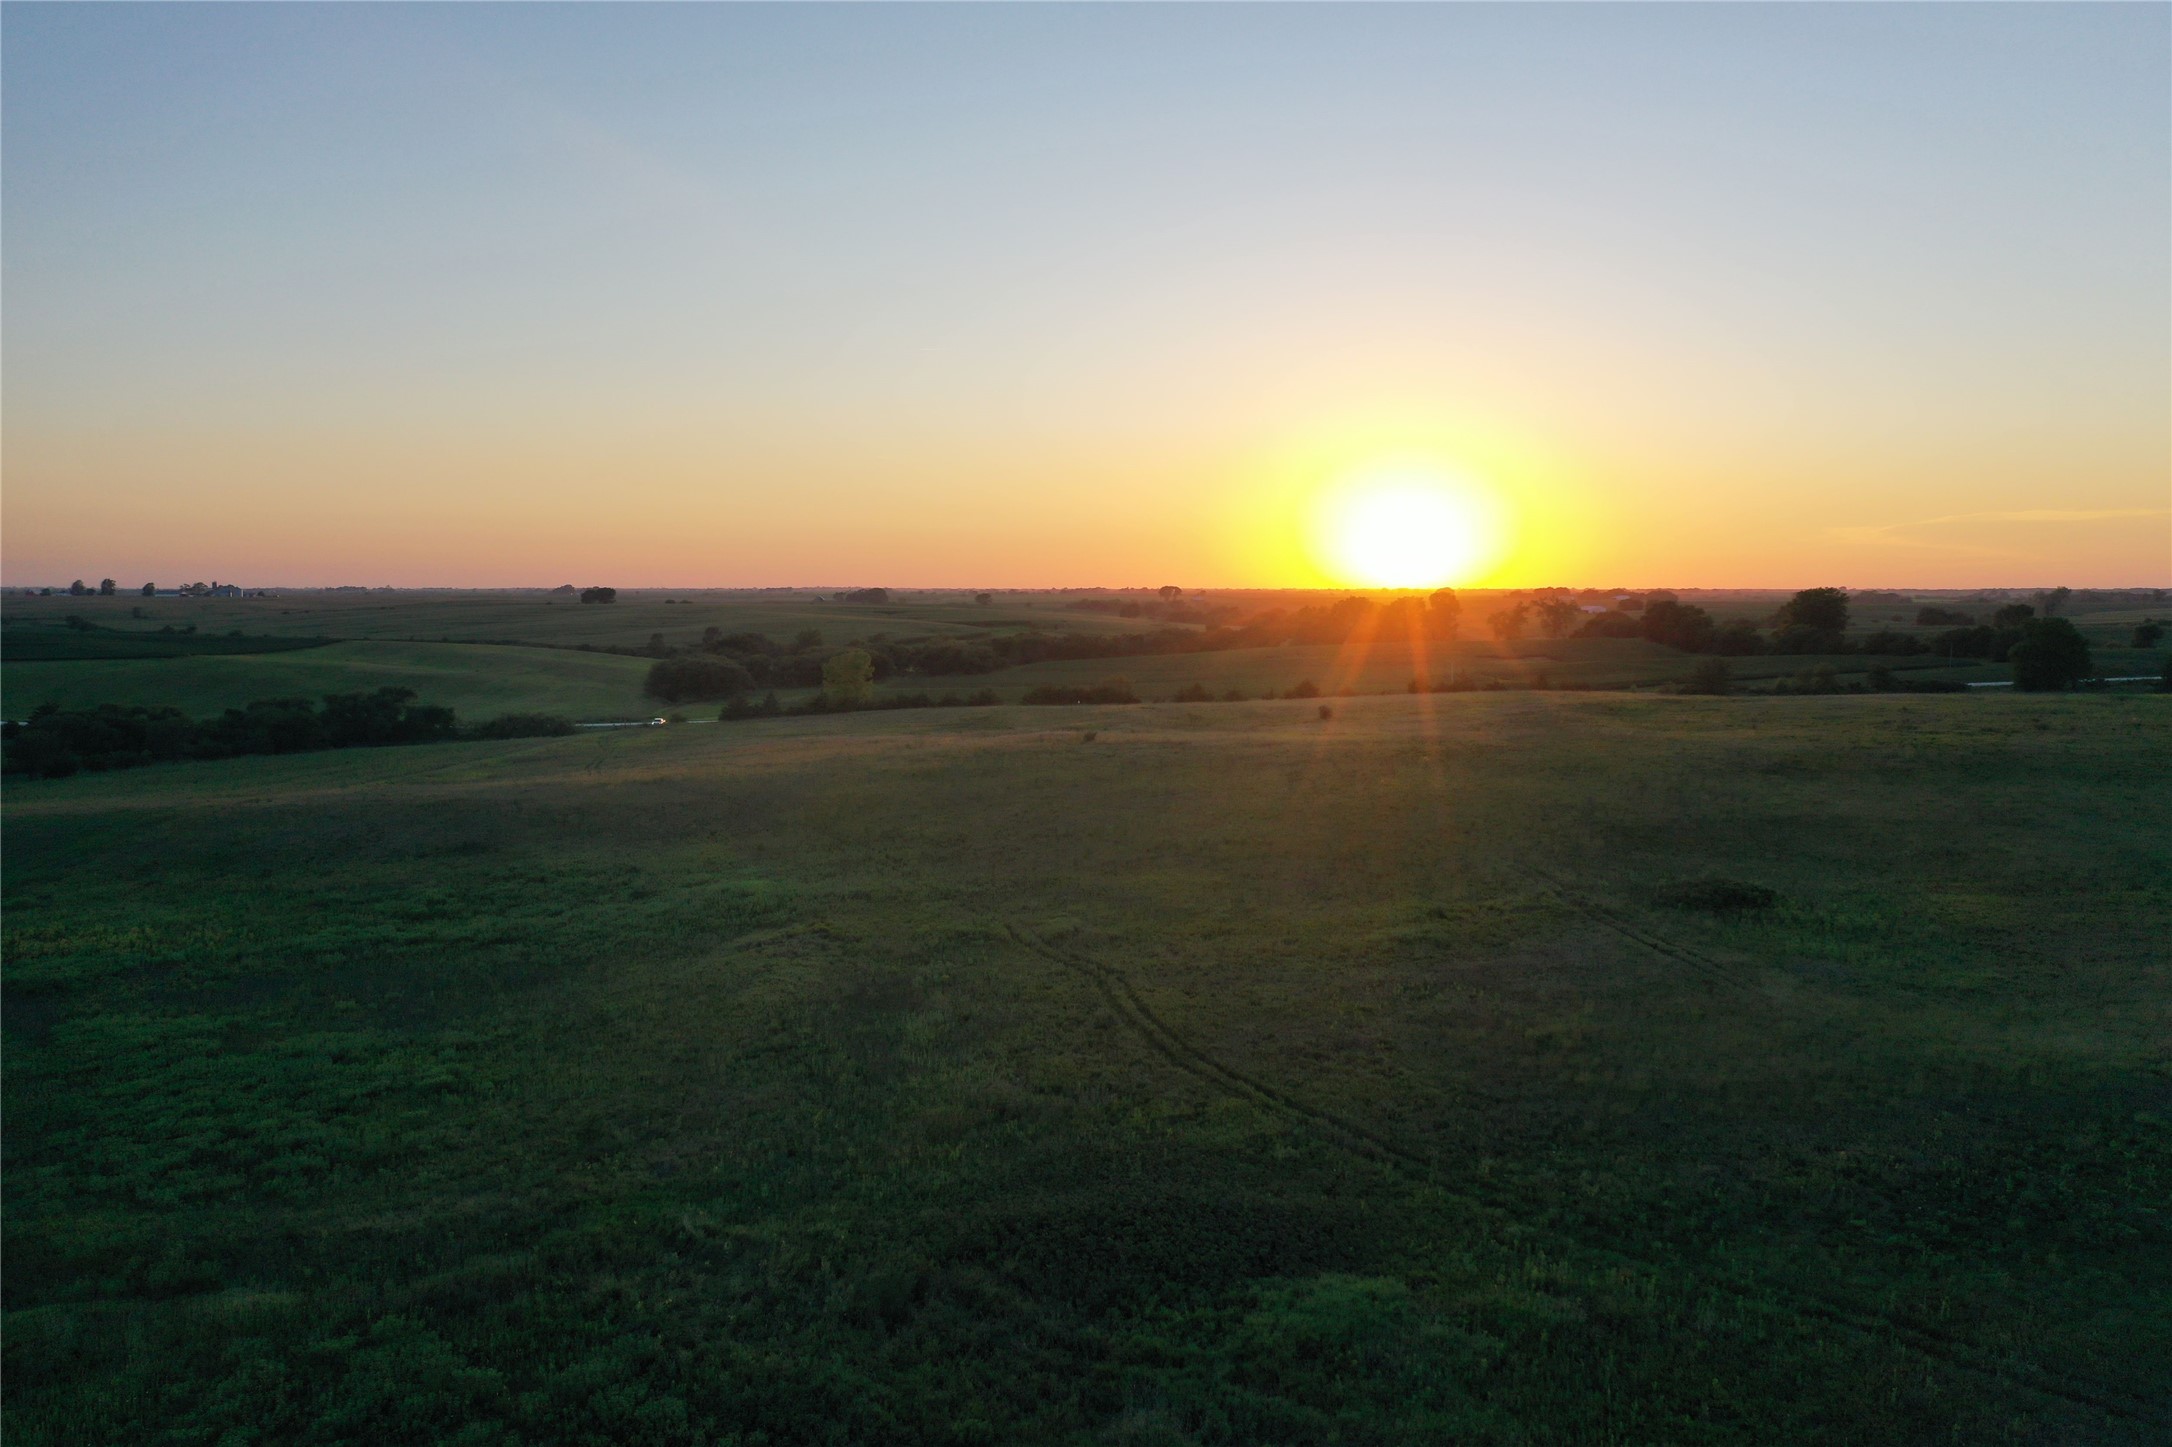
(454, 649)
(1235, 1076)
(416, 615)
(477, 680)
(1384, 665)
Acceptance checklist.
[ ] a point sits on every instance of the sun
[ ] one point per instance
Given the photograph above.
(1406, 527)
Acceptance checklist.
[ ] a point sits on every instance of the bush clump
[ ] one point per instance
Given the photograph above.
(681, 680)
(2051, 654)
(1711, 675)
(1110, 690)
(56, 742)
(1716, 896)
(522, 726)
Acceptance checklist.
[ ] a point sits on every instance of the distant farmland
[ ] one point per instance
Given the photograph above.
(476, 680)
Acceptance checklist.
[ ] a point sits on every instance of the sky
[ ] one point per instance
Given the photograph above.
(1689, 295)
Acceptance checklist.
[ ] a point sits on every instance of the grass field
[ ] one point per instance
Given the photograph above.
(482, 680)
(564, 622)
(1234, 1077)
(476, 680)
(1382, 666)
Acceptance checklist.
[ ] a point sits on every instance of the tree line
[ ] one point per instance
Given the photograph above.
(1813, 622)
(55, 742)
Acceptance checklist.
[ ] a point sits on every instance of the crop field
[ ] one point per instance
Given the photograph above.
(1492, 1067)
(477, 680)
(395, 639)
(1388, 666)
(564, 622)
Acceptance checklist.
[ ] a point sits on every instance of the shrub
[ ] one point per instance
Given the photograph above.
(56, 743)
(1715, 895)
(848, 677)
(1677, 625)
(1821, 610)
(1711, 675)
(599, 595)
(696, 677)
(738, 707)
(388, 716)
(1327, 711)
(1981, 641)
(2052, 654)
(1307, 689)
(1884, 680)
(2148, 634)
(1738, 639)
(1113, 690)
(1889, 642)
(522, 726)
(1820, 679)
(1611, 624)
(1193, 693)
(1797, 639)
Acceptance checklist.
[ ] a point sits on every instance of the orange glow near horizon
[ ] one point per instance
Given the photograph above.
(1407, 525)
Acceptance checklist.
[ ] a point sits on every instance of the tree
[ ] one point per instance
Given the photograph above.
(1824, 609)
(1443, 613)
(1170, 592)
(2051, 654)
(1556, 614)
(1610, 624)
(2049, 601)
(2148, 634)
(599, 595)
(1678, 625)
(677, 680)
(76, 589)
(984, 599)
(1712, 675)
(848, 678)
(106, 587)
(150, 590)
(1738, 639)
(2013, 615)
(807, 638)
(1508, 623)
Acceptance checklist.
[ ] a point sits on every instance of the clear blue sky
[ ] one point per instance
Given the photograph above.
(1018, 295)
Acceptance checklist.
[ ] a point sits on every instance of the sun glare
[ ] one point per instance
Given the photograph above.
(1406, 528)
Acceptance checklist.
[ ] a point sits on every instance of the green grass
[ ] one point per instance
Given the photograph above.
(566, 681)
(37, 643)
(1381, 666)
(1236, 1077)
(477, 680)
(564, 622)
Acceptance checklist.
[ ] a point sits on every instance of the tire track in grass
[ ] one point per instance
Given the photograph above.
(1116, 989)
(1189, 1058)
(1714, 970)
